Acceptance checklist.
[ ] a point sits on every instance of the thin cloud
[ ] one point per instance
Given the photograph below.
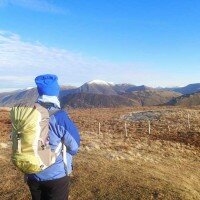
(8, 89)
(24, 58)
(14, 79)
(21, 61)
(36, 5)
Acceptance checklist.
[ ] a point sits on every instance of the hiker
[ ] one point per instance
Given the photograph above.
(51, 183)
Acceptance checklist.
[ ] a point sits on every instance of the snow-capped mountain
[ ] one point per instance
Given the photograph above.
(100, 82)
(97, 87)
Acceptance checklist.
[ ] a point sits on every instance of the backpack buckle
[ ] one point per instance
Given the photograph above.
(43, 147)
(18, 135)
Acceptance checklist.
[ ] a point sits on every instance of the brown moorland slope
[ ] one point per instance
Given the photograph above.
(187, 100)
(162, 165)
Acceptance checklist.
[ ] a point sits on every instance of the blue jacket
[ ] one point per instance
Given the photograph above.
(61, 128)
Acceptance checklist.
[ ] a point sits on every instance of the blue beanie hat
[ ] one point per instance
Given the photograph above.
(47, 85)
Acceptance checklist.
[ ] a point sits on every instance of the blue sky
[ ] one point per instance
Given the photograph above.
(156, 43)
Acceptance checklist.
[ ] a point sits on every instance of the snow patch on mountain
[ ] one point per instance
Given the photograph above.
(29, 88)
(100, 82)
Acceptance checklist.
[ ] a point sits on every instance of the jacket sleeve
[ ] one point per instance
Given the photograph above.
(71, 136)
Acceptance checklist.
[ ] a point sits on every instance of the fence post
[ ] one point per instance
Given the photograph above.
(168, 127)
(149, 125)
(99, 131)
(126, 132)
(188, 117)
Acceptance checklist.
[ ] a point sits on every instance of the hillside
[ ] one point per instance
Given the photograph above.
(19, 97)
(122, 88)
(152, 97)
(30, 95)
(138, 88)
(84, 100)
(160, 166)
(186, 100)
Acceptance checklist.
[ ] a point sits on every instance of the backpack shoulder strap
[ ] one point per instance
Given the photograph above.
(46, 105)
(61, 148)
(54, 111)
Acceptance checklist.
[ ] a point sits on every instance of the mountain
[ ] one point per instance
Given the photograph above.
(12, 98)
(107, 88)
(138, 88)
(27, 95)
(89, 100)
(3, 94)
(65, 90)
(97, 93)
(189, 89)
(97, 87)
(122, 88)
(186, 100)
(152, 97)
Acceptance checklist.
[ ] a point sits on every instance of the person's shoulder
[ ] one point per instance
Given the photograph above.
(60, 112)
(61, 116)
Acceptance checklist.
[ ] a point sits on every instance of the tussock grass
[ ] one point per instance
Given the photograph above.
(112, 167)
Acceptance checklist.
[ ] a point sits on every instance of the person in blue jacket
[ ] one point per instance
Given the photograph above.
(53, 182)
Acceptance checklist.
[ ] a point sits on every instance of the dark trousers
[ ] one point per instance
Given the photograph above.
(57, 189)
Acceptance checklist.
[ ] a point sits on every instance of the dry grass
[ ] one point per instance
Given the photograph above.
(110, 166)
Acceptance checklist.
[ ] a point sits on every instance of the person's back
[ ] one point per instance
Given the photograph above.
(53, 182)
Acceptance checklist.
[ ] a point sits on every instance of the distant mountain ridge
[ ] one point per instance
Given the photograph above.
(98, 93)
(139, 88)
(26, 95)
(186, 100)
(189, 89)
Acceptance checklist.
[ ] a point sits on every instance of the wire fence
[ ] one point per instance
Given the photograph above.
(127, 128)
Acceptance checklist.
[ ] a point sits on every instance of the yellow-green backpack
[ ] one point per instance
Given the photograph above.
(31, 152)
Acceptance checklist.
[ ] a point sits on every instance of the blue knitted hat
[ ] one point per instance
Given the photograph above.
(47, 84)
